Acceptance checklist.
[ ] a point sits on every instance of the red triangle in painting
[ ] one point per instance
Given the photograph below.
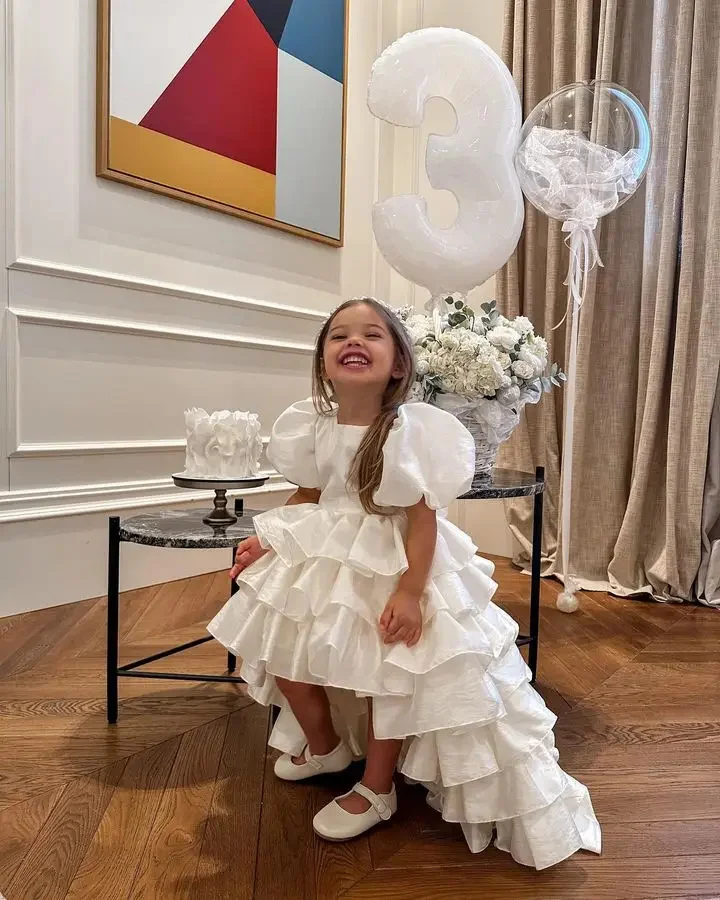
(224, 98)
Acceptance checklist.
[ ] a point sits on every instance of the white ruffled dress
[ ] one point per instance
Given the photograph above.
(478, 736)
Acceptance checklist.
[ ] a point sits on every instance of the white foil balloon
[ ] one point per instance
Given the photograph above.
(475, 162)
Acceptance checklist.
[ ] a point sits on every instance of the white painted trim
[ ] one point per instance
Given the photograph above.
(150, 286)
(142, 329)
(12, 390)
(51, 503)
(7, 390)
(9, 212)
(94, 448)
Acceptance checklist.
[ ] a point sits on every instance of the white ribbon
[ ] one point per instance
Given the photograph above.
(435, 307)
(584, 256)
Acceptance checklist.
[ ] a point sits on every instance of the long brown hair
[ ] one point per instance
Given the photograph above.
(367, 467)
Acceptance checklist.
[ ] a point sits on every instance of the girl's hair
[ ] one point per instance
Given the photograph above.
(367, 466)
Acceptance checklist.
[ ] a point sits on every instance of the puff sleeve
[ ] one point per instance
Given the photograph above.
(429, 454)
(292, 445)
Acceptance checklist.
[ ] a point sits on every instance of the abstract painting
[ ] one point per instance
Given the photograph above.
(237, 105)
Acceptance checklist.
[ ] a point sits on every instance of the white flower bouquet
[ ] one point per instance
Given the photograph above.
(482, 368)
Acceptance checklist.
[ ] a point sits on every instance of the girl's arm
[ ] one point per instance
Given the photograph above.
(402, 617)
(420, 542)
(304, 495)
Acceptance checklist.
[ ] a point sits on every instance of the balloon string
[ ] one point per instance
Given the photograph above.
(576, 295)
(584, 256)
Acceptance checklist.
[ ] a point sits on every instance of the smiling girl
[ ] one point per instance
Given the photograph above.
(367, 617)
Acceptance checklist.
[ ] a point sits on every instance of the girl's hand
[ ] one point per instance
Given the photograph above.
(402, 619)
(248, 552)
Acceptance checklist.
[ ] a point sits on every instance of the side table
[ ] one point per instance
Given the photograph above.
(176, 529)
(186, 529)
(502, 484)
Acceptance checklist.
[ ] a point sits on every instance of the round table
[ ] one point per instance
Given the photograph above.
(185, 529)
(176, 529)
(505, 484)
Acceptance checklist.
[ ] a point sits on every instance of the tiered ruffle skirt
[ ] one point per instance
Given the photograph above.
(477, 735)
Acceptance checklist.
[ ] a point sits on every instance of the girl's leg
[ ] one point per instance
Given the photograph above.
(382, 757)
(311, 708)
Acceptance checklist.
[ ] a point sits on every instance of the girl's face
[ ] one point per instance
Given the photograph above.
(359, 350)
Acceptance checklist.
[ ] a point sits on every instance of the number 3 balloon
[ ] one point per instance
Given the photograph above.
(475, 162)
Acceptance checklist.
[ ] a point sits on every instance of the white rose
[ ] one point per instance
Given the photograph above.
(523, 370)
(504, 337)
(523, 325)
(449, 340)
(501, 379)
(538, 364)
(538, 345)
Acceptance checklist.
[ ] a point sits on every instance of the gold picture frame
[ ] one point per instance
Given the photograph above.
(297, 184)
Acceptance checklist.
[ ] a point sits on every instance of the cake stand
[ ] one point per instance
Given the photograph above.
(219, 515)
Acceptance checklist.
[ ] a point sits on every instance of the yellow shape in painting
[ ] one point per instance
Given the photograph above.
(168, 162)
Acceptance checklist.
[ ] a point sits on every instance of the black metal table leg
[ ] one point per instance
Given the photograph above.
(231, 660)
(113, 615)
(535, 576)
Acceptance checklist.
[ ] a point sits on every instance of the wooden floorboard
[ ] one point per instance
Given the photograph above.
(179, 799)
(226, 866)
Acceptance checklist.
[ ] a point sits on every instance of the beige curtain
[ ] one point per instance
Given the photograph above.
(708, 582)
(650, 327)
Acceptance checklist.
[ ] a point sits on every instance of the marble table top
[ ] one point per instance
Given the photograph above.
(502, 484)
(184, 529)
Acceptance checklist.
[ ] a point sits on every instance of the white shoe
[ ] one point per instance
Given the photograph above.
(336, 761)
(337, 824)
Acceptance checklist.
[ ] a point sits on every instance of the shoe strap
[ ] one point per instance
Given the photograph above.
(310, 760)
(377, 802)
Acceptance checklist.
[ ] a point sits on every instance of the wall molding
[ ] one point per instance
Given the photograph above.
(60, 502)
(167, 288)
(46, 449)
(142, 329)
(94, 448)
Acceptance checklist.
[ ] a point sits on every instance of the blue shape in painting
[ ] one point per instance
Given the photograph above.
(315, 34)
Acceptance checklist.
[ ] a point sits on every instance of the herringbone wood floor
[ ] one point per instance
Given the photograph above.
(178, 800)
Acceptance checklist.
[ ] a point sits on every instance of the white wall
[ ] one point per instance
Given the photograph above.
(485, 520)
(121, 308)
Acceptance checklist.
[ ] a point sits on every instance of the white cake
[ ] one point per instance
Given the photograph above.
(222, 444)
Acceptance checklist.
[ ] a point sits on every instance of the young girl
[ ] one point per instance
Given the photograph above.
(366, 616)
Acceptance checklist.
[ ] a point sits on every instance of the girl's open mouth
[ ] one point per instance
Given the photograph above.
(354, 360)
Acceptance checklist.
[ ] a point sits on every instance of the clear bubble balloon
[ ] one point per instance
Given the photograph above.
(584, 151)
